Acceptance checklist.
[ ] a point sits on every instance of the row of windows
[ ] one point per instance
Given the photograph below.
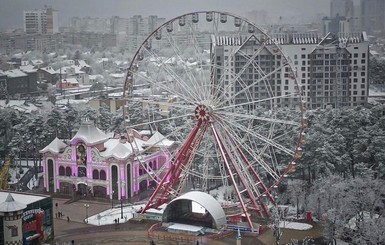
(329, 56)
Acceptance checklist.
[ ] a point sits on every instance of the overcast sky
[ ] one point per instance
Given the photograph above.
(11, 11)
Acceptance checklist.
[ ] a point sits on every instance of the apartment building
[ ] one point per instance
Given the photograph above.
(331, 70)
(42, 21)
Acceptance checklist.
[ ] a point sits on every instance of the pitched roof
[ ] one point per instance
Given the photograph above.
(15, 73)
(55, 146)
(90, 134)
(49, 70)
(10, 205)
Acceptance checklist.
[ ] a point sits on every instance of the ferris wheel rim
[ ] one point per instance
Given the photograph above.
(291, 164)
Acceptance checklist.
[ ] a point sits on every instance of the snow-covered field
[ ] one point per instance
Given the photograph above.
(108, 216)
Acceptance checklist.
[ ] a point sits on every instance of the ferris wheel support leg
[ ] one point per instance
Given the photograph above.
(164, 186)
(266, 190)
(222, 151)
(250, 193)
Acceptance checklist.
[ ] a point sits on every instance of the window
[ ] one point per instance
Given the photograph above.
(14, 231)
(68, 171)
(95, 174)
(102, 175)
(61, 171)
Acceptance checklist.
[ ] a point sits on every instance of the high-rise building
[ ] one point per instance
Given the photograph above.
(332, 70)
(140, 27)
(341, 18)
(343, 8)
(43, 21)
(373, 16)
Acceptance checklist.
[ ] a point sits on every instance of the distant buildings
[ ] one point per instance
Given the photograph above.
(129, 33)
(373, 16)
(43, 21)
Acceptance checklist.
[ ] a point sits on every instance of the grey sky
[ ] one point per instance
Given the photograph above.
(11, 11)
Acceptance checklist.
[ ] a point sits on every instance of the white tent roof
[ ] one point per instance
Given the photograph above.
(157, 139)
(10, 205)
(90, 134)
(208, 202)
(55, 146)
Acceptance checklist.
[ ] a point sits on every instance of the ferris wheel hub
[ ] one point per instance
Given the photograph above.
(202, 113)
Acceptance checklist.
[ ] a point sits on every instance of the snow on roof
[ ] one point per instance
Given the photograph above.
(10, 205)
(70, 80)
(70, 70)
(49, 70)
(157, 139)
(37, 62)
(20, 105)
(22, 198)
(206, 201)
(28, 68)
(118, 150)
(55, 146)
(94, 77)
(117, 75)
(90, 134)
(15, 73)
(100, 60)
(82, 63)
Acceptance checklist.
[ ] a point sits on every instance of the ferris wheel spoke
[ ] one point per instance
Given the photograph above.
(243, 90)
(193, 87)
(248, 116)
(166, 88)
(260, 137)
(167, 104)
(243, 69)
(170, 72)
(161, 120)
(251, 152)
(203, 81)
(261, 100)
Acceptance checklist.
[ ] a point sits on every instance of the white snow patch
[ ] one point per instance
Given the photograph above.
(108, 216)
(295, 225)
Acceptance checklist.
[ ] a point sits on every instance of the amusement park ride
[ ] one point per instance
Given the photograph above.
(232, 83)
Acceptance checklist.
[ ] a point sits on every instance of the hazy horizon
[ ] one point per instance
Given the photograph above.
(11, 11)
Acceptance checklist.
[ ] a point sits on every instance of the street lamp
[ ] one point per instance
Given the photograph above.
(86, 205)
(121, 208)
(112, 199)
(121, 199)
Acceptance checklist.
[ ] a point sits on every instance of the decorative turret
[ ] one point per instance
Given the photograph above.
(12, 212)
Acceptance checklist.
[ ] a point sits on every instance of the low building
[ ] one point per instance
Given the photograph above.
(102, 166)
(25, 218)
(19, 82)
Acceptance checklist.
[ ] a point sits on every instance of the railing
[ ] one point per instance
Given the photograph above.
(183, 238)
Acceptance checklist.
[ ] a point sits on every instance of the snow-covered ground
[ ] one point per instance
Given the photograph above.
(108, 216)
(295, 225)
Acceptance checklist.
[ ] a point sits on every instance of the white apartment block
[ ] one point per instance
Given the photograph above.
(331, 70)
(43, 21)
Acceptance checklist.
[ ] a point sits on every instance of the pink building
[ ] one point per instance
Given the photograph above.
(102, 166)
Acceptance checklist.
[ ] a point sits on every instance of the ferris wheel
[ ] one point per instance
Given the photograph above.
(225, 91)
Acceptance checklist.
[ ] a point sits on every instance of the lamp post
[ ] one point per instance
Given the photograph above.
(86, 205)
(112, 199)
(121, 208)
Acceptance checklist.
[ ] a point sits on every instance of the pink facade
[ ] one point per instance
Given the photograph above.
(82, 169)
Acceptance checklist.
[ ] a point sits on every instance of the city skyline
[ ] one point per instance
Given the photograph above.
(11, 13)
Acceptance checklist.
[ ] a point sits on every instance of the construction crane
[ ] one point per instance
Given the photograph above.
(4, 174)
